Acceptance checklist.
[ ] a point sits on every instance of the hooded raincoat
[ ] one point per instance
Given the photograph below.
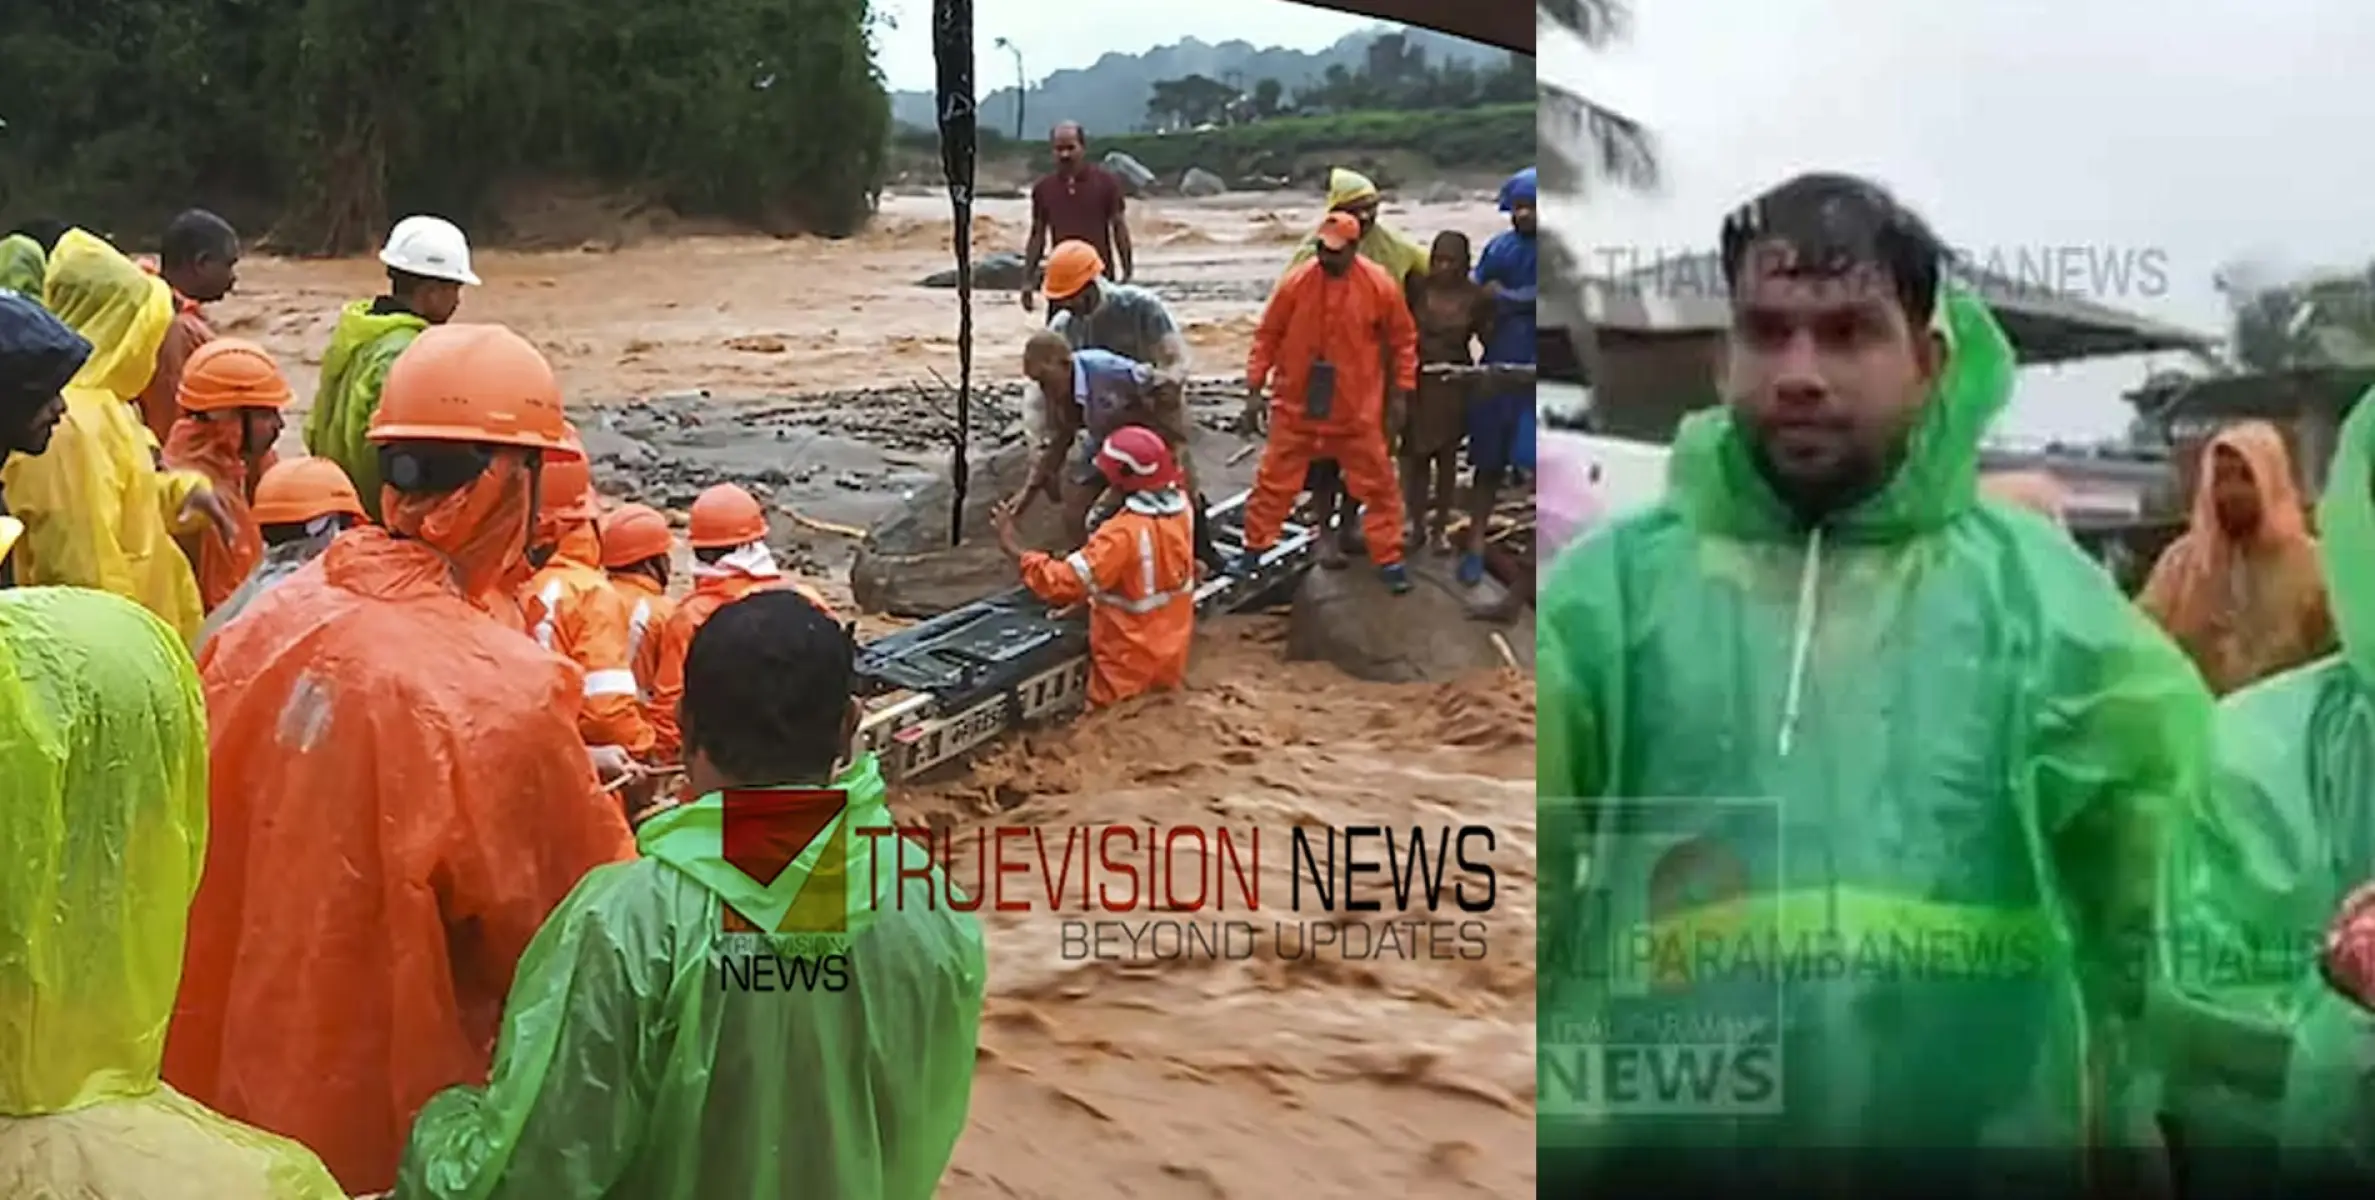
(23, 265)
(631, 1066)
(362, 348)
(1923, 753)
(2244, 608)
(2256, 875)
(215, 449)
(97, 511)
(400, 799)
(572, 610)
(1401, 257)
(103, 763)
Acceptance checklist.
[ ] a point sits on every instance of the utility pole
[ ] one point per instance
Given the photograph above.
(1022, 87)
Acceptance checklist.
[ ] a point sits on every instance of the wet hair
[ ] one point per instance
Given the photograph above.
(197, 234)
(45, 230)
(1076, 129)
(1452, 240)
(432, 468)
(712, 554)
(1834, 224)
(767, 686)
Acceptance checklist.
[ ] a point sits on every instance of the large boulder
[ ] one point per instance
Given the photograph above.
(905, 566)
(1200, 182)
(1136, 179)
(1001, 272)
(1349, 619)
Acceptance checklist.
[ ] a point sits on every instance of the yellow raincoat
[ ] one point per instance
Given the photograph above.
(98, 513)
(103, 764)
(1400, 256)
(22, 264)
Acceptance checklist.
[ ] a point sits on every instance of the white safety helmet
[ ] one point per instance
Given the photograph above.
(430, 247)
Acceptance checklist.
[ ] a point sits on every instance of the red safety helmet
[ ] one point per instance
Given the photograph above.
(1135, 459)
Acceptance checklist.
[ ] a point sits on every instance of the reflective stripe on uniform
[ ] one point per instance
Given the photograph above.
(1154, 600)
(616, 681)
(548, 598)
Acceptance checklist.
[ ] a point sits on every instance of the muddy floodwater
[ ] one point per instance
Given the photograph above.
(1375, 1062)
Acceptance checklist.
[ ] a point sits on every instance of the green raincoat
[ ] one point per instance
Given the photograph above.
(1921, 756)
(2256, 879)
(23, 266)
(103, 828)
(628, 1067)
(362, 348)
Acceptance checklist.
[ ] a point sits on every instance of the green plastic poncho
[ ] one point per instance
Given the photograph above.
(103, 768)
(2257, 875)
(23, 265)
(1921, 755)
(362, 348)
(627, 1067)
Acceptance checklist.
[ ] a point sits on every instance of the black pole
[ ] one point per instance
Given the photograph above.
(952, 52)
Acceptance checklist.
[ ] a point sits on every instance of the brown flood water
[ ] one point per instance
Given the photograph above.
(1348, 1073)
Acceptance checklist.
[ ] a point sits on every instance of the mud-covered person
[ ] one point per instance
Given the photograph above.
(1078, 202)
(1454, 315)
(1095, 392)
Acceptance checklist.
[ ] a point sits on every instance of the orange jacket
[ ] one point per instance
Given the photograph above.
(160, 402)
(222, 560)
(399, 799)
(572, 610)
(709, 594)
(1359, 322)
(1138, 574)
(648, 610)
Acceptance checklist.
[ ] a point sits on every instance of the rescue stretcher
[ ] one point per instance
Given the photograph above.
(939, 690)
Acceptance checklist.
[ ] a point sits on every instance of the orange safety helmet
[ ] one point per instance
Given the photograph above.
(296, 490)
(633, 533)
(724, 517)
(471, 383)
(1071, 266)
(229, 373)
(1135, 459)
(566, 485)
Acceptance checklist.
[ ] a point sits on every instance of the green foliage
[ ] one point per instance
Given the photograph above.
(322, 119)
(1498, 138)
(1394, 76)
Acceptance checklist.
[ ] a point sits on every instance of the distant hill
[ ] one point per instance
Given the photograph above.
(1109, 97)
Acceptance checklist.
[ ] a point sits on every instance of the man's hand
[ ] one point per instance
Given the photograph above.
(612, 765)
(1492, 290)
(204, 502)
(1020, 502)
(1009, 540)
(1030, 300)
(2348, 962)
(1255, 420)
(1397, 413)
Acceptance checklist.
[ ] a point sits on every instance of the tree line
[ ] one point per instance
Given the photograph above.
(1394, 76)
(322, 120)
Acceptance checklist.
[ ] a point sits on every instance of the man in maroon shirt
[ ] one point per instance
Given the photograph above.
(1079, 200)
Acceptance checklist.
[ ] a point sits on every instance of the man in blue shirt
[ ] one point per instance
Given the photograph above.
(1094, 391)
(1501, 428)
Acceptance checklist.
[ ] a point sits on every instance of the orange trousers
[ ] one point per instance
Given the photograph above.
(1368, 475)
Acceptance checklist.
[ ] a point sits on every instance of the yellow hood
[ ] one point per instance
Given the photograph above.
(120, 309)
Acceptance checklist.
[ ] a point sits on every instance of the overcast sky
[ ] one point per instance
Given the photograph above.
(1054, 36)
(2199, 132)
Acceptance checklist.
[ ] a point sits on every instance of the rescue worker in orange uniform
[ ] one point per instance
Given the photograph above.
(301, 504)
(231, 397)
(573, 611)
(400, 796)
(636, 546)
(730, 560)
(1137, 572)
(1338, 351)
